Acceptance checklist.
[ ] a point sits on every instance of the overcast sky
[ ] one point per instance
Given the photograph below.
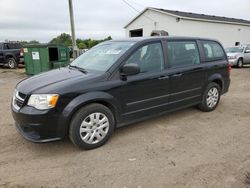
(44, 19)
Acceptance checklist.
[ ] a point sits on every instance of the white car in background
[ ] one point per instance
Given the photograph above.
(238, 55)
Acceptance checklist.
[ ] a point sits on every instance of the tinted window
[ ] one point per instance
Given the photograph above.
(1, 46)
(183, 53)
(213, 51)
(235, 50)
(148, 57)
(5, 46)
(18, 46)
(12, 46)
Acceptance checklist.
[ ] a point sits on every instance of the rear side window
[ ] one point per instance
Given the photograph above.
(5, 46)
(213, 51)
(18, 46)
(12, 46)
(183, 53)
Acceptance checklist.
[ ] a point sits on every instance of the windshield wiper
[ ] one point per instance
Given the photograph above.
(78, 68)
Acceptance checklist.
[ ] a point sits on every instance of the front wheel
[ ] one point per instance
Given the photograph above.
(240, 63)
(210, 98)
(91, 126)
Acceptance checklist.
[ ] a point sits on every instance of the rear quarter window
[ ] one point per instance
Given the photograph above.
(18, 46)
(5, 46)
(12, 46)
(213, 51)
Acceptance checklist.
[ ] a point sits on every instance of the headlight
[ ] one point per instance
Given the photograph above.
(232, 57)
(43, 101)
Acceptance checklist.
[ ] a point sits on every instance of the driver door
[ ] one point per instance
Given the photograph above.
(145, 93)
(247, 55)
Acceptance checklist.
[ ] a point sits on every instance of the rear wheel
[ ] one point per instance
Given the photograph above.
(11, 62)
(210, 98)
(91, 126)
(240, 63)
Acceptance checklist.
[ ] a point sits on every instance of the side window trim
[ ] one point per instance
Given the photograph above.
(165, 53)
(201, 51)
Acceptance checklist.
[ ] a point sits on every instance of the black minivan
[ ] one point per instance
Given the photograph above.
(119, 82)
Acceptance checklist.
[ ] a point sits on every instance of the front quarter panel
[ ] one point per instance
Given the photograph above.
(84, 99)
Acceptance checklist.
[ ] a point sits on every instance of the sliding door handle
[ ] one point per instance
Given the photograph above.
(177, 75)
(163, 77)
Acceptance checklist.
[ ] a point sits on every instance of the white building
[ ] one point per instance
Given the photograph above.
(229, 31)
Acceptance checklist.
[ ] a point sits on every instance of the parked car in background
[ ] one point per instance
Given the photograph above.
(117, 83)
(239, 55)
(11, 54)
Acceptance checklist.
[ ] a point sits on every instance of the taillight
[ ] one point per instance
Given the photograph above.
(21, 52)
(229, 68)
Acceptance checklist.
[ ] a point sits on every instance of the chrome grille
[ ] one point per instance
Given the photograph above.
(18, 100)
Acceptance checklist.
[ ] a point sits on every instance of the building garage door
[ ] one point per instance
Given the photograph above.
(136, 33)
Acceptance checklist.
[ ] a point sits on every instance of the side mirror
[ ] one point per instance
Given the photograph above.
(130, 69)
(247, 51)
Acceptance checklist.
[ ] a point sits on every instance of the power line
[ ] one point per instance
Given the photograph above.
(138, 4)
(131, 6)
(127, 3)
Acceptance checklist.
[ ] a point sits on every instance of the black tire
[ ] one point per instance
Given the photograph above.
(240, 63)
(204, 106)
(80, 116)
(11, 63)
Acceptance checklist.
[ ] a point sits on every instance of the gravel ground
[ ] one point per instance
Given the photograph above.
(188, 148)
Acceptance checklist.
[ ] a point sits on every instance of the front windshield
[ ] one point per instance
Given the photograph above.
(102, 56)
(234, 50)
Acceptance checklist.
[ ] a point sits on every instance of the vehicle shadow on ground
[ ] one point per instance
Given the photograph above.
(244, 67)
(65, 146)
(19, 67)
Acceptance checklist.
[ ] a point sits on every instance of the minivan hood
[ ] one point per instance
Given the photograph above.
(52, 80)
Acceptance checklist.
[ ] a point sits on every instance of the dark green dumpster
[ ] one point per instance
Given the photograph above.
(43, 57)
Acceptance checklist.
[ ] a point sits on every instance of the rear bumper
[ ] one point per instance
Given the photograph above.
(37, 126)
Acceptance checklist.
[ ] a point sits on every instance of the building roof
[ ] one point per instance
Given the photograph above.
(195, 16)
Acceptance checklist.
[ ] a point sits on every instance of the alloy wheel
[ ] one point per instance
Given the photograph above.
(212, 97)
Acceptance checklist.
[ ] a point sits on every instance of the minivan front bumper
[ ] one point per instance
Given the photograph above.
(233, 62)
(37, 126)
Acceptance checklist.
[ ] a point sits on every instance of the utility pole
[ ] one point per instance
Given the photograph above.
(72, 23)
